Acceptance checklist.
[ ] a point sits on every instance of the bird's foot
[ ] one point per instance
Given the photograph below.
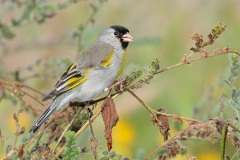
(88, 103)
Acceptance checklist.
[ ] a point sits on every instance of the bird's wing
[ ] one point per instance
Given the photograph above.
(70, 79)
(97, 55)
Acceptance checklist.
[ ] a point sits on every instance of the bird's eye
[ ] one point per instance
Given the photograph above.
(116, 33)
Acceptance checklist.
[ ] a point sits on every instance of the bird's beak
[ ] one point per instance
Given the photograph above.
(127, 37)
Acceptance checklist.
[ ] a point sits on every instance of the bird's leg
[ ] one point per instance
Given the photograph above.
(89, 110)
(93, 104)
(119, 83)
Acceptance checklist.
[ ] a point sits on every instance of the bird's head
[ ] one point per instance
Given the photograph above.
(117, 34)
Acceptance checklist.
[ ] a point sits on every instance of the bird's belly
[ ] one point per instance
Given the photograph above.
(96, 83)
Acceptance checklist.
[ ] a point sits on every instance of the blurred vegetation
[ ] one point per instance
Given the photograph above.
(39, 40)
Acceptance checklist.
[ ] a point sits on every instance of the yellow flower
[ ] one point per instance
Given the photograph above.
(123, 137)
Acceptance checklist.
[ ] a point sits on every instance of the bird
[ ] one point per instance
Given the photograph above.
(94, 70)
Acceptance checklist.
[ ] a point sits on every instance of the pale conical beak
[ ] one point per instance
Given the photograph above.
(127, 37)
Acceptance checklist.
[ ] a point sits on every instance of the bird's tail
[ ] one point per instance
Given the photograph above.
(43, 117)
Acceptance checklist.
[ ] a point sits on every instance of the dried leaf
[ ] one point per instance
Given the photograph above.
(162, 123)
(110, 119)
(20, 152)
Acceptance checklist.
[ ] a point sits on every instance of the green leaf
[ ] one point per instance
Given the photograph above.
(71, 151)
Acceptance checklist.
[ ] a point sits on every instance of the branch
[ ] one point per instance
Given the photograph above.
(19, 86)
(36, 111)
(186, 60)
(176, 117)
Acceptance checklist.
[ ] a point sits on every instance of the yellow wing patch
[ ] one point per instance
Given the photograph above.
(74, 82)
(107, 60)
(77, 80)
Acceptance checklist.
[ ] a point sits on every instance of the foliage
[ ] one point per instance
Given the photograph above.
(70, 149)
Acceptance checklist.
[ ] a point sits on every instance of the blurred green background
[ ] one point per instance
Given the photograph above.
(161, 29)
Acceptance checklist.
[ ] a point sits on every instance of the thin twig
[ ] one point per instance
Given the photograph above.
(20, 85)
(176, 116)
(32, 97)
(91, 129)
(36, 111)
(223, 142)
(25, 86)
(196, 59)
(235, 154)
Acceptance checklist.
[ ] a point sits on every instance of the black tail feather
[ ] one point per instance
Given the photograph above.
(42, 119)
